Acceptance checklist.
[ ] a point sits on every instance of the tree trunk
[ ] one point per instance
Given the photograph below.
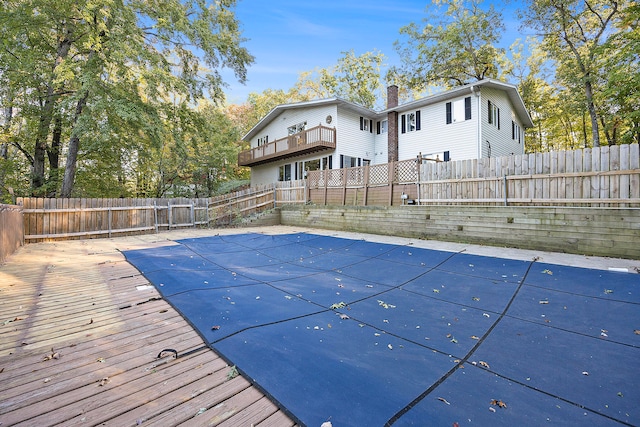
(53, 154)
(46, 115)
(72, 155)
(595, 128)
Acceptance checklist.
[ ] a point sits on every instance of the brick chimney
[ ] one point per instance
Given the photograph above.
(392, 122)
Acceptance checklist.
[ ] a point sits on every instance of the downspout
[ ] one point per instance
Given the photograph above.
(476, 92)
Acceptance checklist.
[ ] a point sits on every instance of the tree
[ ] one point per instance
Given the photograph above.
(63, 60)
(460, 48)
(573, 32)
(354, 78)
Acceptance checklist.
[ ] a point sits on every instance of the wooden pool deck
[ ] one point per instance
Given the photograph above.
(80, 332)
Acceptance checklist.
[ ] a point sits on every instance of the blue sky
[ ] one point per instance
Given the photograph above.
(288, 37)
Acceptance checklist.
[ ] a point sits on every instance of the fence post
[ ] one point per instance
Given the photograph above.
(169, 215)
(155, 216)
(326, 183)
(109, 219)
(419, 167)
(390, 177)
(275, 196)
(193, 215)
(506, 192)
(366, 185)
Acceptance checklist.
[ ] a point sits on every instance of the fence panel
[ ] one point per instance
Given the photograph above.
(602, 176)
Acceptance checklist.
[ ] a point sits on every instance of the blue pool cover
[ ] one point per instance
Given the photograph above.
(371, 334)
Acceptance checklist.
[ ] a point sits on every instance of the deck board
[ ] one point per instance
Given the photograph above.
(83, 302)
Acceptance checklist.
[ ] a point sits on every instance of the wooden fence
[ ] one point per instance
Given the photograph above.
(48, 219)
(228, 209)
(11, 236)
(604, 176)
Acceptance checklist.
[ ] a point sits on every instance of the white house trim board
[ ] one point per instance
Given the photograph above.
(486, 118)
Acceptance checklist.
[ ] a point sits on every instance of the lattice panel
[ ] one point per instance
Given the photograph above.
(315, 179)
(406, 171)
(355, 176)
(336, 177)
(378, 174)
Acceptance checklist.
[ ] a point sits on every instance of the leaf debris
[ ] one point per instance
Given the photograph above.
(498, 403)
(442, 399)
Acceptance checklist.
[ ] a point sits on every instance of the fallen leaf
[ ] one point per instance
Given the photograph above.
(475, 298)
(201, 411)
(620, 394)
(337, 305)
(473, 337)
(436, 291)
(91, 321)
(233, 372)
(215, 327)
(492, 409)
(544, 302)
(343, 316)
(549, 272)
(498, 403)
(103, 382)
(608, 291)
(484, 364)
(442, 399)
(585, 373)
(390, 347)
(637, 331)
(100, 360)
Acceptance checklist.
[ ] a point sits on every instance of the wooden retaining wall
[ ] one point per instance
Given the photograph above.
(11, 231)
(613, 232)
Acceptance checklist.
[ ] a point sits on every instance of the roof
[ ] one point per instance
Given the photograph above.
(306, 104)
(511, 91)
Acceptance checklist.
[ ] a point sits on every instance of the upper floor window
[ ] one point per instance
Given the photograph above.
(382, 127)
(458, 111)
(516, 132)
(264, 140)
(366, 124)
(292, 130)
(410, 122)
(494, 114)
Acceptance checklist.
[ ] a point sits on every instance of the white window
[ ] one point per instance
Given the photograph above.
(285, 173)
(494, 114)
(292, 130)
(458, 111)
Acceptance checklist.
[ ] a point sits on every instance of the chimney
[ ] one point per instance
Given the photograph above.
(392, 124)
(392, 96)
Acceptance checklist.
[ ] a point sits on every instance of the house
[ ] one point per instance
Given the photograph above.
(482, 119)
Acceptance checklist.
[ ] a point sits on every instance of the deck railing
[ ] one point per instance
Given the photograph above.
(308, 141)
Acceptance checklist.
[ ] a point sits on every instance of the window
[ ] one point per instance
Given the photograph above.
(410, 122)
(292, 130)
(264, 140)
(494, 114)
(349, 162)
(285, 173)
(458, 111)
(382, 127)
(516, 132)
(366, 124)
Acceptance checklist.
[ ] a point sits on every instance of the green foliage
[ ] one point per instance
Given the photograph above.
(121, 79)
(354, 78)
(455, 45)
